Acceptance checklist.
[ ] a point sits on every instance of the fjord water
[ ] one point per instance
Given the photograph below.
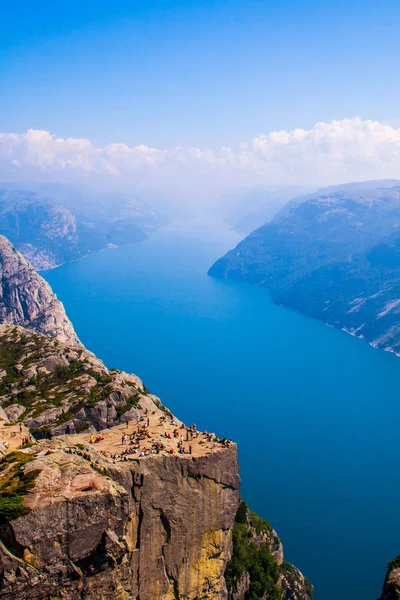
(316, 413)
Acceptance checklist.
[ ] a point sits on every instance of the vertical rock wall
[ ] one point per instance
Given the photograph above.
(158, 529)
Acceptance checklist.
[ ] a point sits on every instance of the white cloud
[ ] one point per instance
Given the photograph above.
(345, 150)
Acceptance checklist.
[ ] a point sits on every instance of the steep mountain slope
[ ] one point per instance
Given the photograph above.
(144, 508)
(26, 298)
(120, 521)
(60, 388)
(49, 233)
(334, 255)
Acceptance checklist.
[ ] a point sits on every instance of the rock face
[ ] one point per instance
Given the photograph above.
(391, 586)
(58, 388)
(159, 529)
(86, 517)
(333, 255)
(257, 569)
(49, 232)
(26, 299)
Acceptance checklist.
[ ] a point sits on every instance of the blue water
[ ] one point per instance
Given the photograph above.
(315, 412)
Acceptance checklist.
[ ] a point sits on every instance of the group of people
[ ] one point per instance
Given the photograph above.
(27, 440)
(144, 442)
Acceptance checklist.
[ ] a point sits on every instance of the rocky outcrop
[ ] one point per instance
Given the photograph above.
(156, 529)
(26, 299)
(86, 516)
(293, 583)
(257, 569)
(57, 388)
(83, 520)
(391, 586)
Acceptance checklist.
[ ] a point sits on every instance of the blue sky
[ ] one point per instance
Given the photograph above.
(196, 73)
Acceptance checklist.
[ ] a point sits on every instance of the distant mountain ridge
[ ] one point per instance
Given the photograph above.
(333, 255)
(50, 233)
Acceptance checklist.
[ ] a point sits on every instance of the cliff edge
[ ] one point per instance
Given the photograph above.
(158, 528)
(104, 493)
(26, 299)
(391, 586)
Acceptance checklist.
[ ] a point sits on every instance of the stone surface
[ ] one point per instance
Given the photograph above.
(101, 524)
(65, 389)
(157, 529)
(391, 587)
(26, 298)
(14, 411)
(288, 582)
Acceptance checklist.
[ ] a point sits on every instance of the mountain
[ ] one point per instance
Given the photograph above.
(50, 233)
(247, 209)
(97, 498)
(333, 255)
(26, 299)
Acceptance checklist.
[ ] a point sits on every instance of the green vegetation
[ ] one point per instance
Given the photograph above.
(294, 578)
(260, 525)
(256, 560)
(161, 406)
(130, 402)
(67, 387)
(394, 564)
(14, 485)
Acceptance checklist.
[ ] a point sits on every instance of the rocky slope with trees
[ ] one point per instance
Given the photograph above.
(75, 523)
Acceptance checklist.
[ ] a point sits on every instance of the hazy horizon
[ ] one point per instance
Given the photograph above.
(198, 99)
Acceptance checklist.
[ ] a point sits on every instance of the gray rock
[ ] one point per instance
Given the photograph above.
(3, 415)
(26, 298)
(158, 529)
(14, 411)
(391, 587)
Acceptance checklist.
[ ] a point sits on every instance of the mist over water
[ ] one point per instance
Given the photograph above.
(315, 412)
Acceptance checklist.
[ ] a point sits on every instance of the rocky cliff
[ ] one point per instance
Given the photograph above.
(255, 545)
(391, 586)
(333, 255)
(56, 388)
(26, 299)
(158, 528)
(112, 497)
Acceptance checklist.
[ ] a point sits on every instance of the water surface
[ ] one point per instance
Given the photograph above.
(315, 412)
